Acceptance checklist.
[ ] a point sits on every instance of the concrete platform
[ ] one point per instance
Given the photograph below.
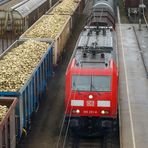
(133, 90)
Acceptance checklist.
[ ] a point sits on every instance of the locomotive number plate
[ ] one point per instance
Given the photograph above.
(90, 103)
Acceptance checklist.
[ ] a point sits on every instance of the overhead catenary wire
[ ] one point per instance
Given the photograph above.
(66, 133)
(69, 119)
(63, 121)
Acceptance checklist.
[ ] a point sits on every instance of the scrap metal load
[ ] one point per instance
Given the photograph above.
(47, 27)
(55, 26)
(3, 111)
(25, 68)
(65, 7)
(17, 65)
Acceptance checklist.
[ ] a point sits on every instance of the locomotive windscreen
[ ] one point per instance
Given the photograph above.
(91, 83)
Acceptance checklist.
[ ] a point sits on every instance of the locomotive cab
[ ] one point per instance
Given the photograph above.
(92, 92)
(91, 83)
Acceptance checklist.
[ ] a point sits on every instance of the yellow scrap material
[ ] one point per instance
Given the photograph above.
(48, 27)
(65, 7)
(18, 64)
(3, 111)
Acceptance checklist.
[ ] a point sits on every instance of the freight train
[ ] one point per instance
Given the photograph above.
(27, 83)
(91, 94)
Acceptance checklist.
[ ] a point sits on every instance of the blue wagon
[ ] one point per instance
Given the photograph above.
(29, 94)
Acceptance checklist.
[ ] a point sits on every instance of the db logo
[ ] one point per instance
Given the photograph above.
(90, 103)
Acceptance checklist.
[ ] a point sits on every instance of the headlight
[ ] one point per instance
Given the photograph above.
(104, 112)
(77, 111)
(90, 96)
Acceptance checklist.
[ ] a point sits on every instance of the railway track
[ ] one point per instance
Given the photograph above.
(69, 139)
(145, 20)
(77, 142)
(108, 141)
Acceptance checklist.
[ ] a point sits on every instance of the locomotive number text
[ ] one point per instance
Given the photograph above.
(89, 112)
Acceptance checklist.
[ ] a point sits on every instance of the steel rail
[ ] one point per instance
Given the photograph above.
(146, 22)
(80, 142)
(144, 17)
(141, 52)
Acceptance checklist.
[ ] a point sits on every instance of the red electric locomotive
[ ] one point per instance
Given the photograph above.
(91, 95)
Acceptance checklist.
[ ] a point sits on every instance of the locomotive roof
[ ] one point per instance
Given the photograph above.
(94, 48)
(89, 36)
